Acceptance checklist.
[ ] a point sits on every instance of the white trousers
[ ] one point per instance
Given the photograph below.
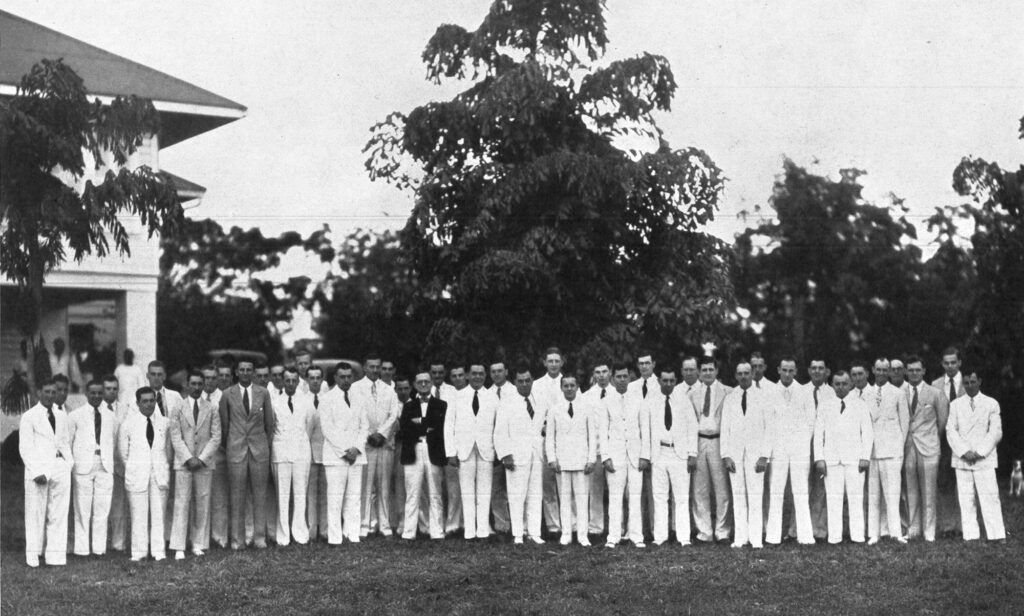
(291, 479)
(597, 490)
(499, 500)
(219, 500)
(453, 499)
(316, 501)
(377, 490)
(671, 478)
(884, 482)
(475, 478)
(552, 510)
(344, 490)
(525, 493)
(982, 482)
(46, 517)
(573, 486)
(922, 493)
(93, 492)
(840, 479)
(747, 501)
(797, 471)
(420, 471)
(191, 503)
(710, 474)
(626, 479)
(397, 508)
(147, 511)
(118, 517)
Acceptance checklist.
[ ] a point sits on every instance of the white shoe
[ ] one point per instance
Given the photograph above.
(537, 540)
(659, 543)
(179, 555)
(198, 552)
(564, 541)
(738, 545)
(757, 546)
(610, 545)
(32, 560)
(160, 557)
(585, 542)
(137, 559)
(639, 544)
(517, 541)
(901, 540)
(873, 541)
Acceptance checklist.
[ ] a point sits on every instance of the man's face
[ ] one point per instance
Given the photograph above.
(94, 394)
(403, 389)
(787, 372)
(244, 371)
(261, 376)
(223, 377)
(690, 371)
(47, 395)
(915, 372)
(972, 384)
(757, 367)
(842, 384)
(302, 363)
(524, 383)
(951, 364)
(458, 378)
(499, 375)
(897, 373)
(387, 371)
(881, 372)
(708, 373)
(859, 377)
(602, 375)
(209, 381)
(62, 393)
(477, 376)
(156, 376)
(818, 372)
(620, 379)
(423, 384)
(437, 374)
(744, 375)
(343, 378)
(372, 369)
(553, 364)
(195, 386)
(645, 365)
(291, 382)
(315, 379)
(111, 389)
(277, 376)
(569, 387)
(667, 380)
(147, 403)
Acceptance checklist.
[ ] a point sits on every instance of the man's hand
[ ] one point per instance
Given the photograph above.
(971, 457)
(609, 466)
(588, 468)
(351, 454)
(729, 465)
(509, 462)
(691, 463)
(376, 440)
(453, 461)
(762, 465)
(554, 467)
(644, 465)
(864, 466)
(417, 420)
(194, 464)
(40, 480)
(821, 468)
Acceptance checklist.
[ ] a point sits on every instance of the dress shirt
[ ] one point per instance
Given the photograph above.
(382, 410)
(45, 449)
(625, 429)
(843, 436)
(747, 432)
(682, 435)
(890, 420)
(571, 442)
(464, 429)
(792, 423)
(974, 424)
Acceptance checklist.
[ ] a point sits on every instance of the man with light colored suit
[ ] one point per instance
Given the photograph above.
(382, 411)
(951, 384)
(673, 455)
(519, 444)
(791, 430)
(220, 494)
(974, 429)
(93, 433)
(571, 447)
(195, 438)
(45, 447)
(247, 421)
(746, 449)
(344, 426)
(167, 402)
(707, 400)
(118, 518)
(929, 411)
(500, 387)
(423, 457)
(818, 392)
(547, 391)
(453, 494)
(601, 376)
(626, 450)
(890, 421)
(290, 458)
(142, 442)
(316, 487)
(469, 446)
(842, 452)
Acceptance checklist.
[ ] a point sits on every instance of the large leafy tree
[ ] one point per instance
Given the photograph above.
(549, 208)
(49, 135)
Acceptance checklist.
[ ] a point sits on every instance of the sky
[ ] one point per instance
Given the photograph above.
(900, 89)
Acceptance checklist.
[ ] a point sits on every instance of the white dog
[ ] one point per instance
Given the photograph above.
(1016, 479)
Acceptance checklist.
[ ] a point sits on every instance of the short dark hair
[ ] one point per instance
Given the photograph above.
(619, 366)
(198, 373)
(60, 378)
(787, 358)
(372, 355)
(317, 368)
(110, 377)
(97, 382)
(687, 358)
(666, 369)
(156, 363)
(341, 365)
(142, 391)
(523, 368)
(913, 359)
(858, 363)
(555, 350)
(951, 350)
(839, 373)
(707, 360)
(43, 383)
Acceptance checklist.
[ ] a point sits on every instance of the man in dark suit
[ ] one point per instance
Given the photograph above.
(421, 427)
(247, 425)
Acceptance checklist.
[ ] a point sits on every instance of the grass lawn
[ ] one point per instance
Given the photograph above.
(457, 577)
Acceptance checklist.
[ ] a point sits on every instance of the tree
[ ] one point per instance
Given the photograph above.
(548, 207)
(46, 132)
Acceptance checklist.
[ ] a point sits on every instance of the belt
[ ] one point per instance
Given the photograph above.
(97, 452)
(667, 444)
(60, 455)
(709, 435)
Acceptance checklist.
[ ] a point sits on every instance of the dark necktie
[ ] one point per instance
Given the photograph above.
(290, 407)
(347, 403)
(98, 423)
(149, 431)
(842, 407)
(53, 420)
(952, 390)
(160, 403)
(498, 389)
(743, 403)
(668, 414)
(195, 411)
(316, 401)
(816, 387)
(644, 388)
(707, 400)
(245, 400)
(476, 402)
(570, 410)
(437, 391)
(913, 403)
(110, 406)
(604, 392)
(529, 407)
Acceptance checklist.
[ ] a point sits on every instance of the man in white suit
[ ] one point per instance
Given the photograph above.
(890, 422)
(45, 447)
(382, 411)
(118, 518)
(645, 385)
(601, 376)
(929, 410)
(143, 445)
(220, 513)
(950, 384)
(746, 448)
(571, 447)
(791, 427)
(707, 400)
(818, 391)
(626, 452)
(842, 451)
(195, 437)
(673, 455)
(345, 430)
(453, 494)
(469, 446)
(500, 387)
(547, 391)
(93, 432)
(519, 444)
(974, 429)
(316, 487)
(290, 458)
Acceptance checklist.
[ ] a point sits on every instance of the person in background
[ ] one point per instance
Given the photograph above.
(130, 377)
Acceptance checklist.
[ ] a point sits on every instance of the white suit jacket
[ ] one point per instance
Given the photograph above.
(980, 429)
(843, 438)
(890, 421)
(142, 462)
(712, 424)
(637, 386)
(625, 429)
(463, 430)
(593, 395)
(928, 420)
(791, 425)
(191, 439)
(682, 435)
(82, 430)
(382, 410)
(547, 390)
(515, 433)
(293, 430)
(572, 441)
(343, 426)
(825, 392)
(747, 433)
(39, 443)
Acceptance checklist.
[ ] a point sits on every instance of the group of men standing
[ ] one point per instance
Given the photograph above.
(256, 451)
